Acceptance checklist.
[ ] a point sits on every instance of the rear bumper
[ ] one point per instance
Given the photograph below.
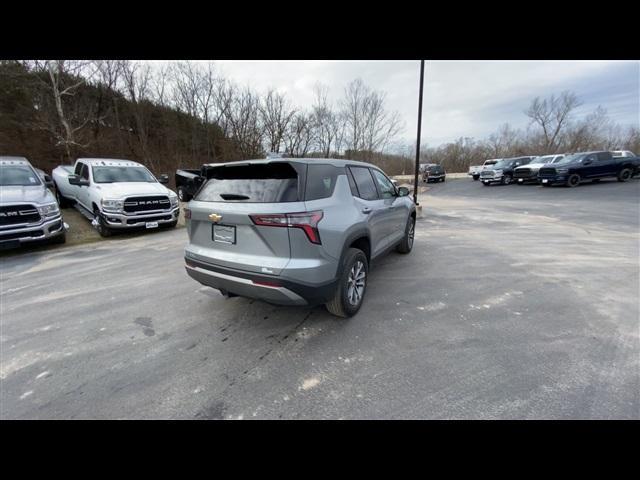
(269, 288)
(33, 233)
(119, 220)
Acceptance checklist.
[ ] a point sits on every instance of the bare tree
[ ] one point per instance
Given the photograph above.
(299, 136)
(243, 117)
(552, 115)
(137, 81)
(63, 79)
(368, 125)
(275, 114)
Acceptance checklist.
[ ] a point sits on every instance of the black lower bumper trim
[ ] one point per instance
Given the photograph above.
(313, 294)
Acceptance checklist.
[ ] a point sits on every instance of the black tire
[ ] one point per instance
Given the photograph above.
(545, 184)
(573, 180)
(506, 180)
(62, 202)
(476, 177)
(341, 305)
(182, 195)
(443, 179)
(406, 244)
(171, 225)
(625, 174)
(102, 228)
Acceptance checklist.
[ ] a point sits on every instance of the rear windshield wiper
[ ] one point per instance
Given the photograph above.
(233, 196)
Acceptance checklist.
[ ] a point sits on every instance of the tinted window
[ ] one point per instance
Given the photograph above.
(258, 183)
(603, 156)
(385, 187)
(364, 182)
(321, 180)
(84, 173)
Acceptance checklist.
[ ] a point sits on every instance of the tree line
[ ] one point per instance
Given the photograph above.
(178, 114)
(184, 114)
(552, 128)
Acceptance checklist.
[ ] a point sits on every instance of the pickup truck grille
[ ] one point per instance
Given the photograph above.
(486, 173)
(17, 214)
(547, 171)
(522, 173)
(144, 204)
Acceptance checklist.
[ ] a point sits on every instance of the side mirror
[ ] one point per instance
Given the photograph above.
(77, 180)
(403, 191)
(164, 178)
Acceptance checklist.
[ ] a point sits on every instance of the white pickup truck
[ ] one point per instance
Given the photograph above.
(116, 194)
(474, 170)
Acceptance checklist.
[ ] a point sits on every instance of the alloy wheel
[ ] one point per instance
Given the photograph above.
(356, 283)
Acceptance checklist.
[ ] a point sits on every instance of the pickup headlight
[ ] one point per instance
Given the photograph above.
(49, 210)
(173, 198)
(112, 205)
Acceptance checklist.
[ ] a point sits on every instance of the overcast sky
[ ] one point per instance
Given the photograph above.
(461, 98)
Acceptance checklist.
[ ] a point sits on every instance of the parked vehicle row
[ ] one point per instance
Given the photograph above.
(28, 209)
(476, 170)
(564, 169)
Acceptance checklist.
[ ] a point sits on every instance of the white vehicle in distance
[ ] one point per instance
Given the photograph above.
(529, 173)
(116, 194)
(622, 153)
(475, 170)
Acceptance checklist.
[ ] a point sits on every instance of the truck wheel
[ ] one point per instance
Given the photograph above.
(624, 175)
(62, 202)
(443, 179)
(406, 244)
(102, 228)
(573, 180)
(352, 285)
(476, 177)
(506, 180)
(182, 195)
(172, 224)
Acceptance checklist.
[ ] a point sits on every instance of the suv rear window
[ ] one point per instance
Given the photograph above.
(321, 181)
(257, 183)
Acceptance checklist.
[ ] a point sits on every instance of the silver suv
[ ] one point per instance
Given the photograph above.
(295, 231)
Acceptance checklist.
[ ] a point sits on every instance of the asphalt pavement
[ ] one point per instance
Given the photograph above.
(516, 302)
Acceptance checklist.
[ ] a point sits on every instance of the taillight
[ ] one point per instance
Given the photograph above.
(187, 213)
(307, 221)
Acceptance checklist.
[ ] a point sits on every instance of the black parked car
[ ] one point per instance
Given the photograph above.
(433, 172)
(188, 181)
(574, 169)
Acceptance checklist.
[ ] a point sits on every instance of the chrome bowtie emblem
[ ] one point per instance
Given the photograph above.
(214, 217)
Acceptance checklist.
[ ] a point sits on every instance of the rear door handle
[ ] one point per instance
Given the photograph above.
(366, 210)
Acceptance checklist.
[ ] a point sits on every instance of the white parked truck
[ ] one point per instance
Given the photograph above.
(28, 210)
(116, 194)
(474, 170)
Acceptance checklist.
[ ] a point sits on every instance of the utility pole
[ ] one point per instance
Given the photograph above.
(417, 172)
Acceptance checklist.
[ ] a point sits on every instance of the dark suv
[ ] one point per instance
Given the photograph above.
(295, 231)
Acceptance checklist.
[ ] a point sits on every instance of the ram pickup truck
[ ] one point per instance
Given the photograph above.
(529, 173)
(116, 194)
(187, 183)
(28, 210)
(434, 173)
(502, 172)
(476, 170)
(575, 169)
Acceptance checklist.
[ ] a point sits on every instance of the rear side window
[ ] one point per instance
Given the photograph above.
(258, 183)
(84, 173)
(321, 181)
(364, 182)
(602, 156)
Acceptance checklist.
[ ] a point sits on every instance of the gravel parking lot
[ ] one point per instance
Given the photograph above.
(517, 302)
